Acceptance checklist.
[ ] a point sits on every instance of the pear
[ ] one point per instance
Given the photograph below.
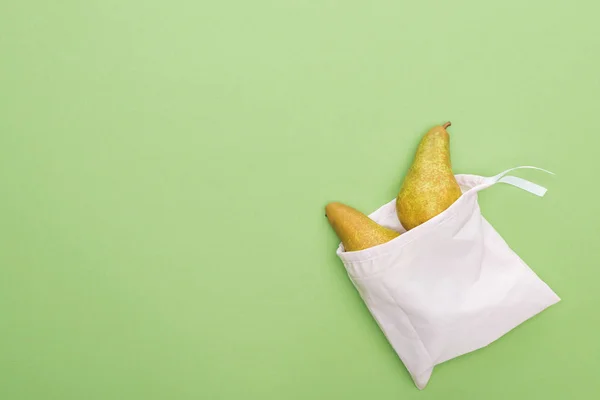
(355, 229)
(429, 187)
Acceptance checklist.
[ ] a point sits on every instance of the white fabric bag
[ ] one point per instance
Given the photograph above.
(449, 286)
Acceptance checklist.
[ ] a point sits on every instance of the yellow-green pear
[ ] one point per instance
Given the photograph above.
(429, 187)
(355, 229)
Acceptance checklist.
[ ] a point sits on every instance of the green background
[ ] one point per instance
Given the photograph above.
(164, 167)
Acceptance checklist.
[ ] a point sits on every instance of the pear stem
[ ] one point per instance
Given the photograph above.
(447, 124)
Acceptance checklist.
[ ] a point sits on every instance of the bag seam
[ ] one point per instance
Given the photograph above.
(412, 325)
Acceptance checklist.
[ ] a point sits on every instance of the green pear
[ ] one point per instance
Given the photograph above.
(429, 187)
(355, 229)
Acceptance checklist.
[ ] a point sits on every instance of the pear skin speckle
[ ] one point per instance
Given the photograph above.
(429, 187)
(356, 230)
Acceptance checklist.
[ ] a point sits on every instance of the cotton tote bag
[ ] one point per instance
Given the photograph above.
(449, 286)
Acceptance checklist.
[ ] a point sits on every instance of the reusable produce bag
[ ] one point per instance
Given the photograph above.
(449, 286)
